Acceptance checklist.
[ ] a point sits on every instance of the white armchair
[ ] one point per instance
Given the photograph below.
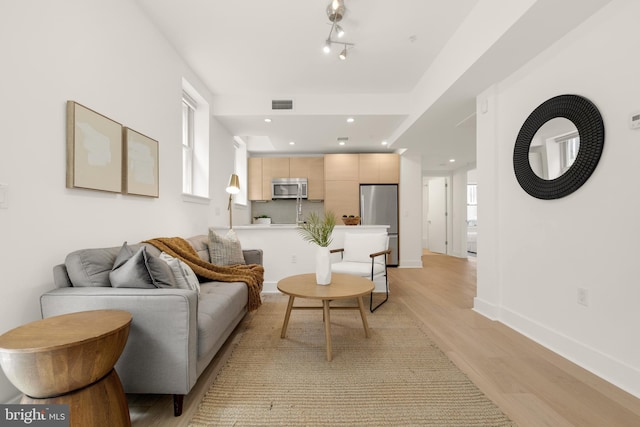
(365, 255)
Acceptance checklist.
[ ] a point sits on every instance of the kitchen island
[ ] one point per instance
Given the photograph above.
(285, 253)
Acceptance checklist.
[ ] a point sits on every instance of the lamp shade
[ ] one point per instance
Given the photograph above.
(234, 184)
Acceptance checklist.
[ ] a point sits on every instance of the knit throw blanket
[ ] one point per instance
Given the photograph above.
(251, 274)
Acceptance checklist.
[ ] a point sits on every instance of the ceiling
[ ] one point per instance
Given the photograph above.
(250, 52)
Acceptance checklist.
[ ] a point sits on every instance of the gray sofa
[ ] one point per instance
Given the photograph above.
(175, 333)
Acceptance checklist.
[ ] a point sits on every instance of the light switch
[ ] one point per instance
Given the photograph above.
(4, 196)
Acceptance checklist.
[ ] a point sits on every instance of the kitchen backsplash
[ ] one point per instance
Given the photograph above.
(284, 211)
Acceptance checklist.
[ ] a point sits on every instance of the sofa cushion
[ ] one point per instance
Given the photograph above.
(184, 275)
(357, 268)
(225, 250)
(219, 303)
(140, 270)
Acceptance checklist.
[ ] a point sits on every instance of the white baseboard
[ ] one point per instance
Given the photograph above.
(416, 263)
(485, 308)
(603, 365)
(270, 288)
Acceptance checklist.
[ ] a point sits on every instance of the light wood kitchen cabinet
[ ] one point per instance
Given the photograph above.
(341, 167)
(342, 198)
(254, 186)
(263, 169)
(341, 185)
(379, 168)
(273, 167)
(311, 168)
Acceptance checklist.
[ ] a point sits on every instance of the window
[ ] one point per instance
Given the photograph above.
(472, 205)
(195, 144)
(569, 146)
(241, 170)
(188, 112)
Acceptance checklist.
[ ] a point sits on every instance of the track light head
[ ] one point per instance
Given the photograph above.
(343, 54)
(339, 31)
(327, 46)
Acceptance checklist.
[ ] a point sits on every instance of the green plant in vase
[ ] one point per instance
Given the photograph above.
(319, 230)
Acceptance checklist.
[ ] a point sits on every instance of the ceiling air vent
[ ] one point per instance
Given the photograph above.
(282, 104)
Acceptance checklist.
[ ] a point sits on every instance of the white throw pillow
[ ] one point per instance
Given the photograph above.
(225, 250)
(185, 277)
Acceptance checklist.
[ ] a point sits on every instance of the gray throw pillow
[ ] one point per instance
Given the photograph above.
(90, 267)
(140, 270)
(225, 250)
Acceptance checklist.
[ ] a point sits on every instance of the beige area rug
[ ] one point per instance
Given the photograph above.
(397, 377)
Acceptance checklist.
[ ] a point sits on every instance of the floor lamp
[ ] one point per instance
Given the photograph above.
(232, 188)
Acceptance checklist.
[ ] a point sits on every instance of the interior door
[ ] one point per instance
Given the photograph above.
(437, 215)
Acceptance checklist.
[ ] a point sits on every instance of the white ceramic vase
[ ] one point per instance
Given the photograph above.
(323, 266)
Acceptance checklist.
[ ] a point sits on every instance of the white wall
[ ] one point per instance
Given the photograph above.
(534, 255)
(107, 56)
(410, 219)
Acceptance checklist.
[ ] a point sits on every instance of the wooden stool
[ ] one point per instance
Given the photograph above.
(69, 359)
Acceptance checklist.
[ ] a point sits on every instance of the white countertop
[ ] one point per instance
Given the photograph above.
(294, 226)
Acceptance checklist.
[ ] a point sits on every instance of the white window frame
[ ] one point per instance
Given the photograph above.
(195, 145)
(240, 169)
(189, 107)
(569, 146)
(472, 204)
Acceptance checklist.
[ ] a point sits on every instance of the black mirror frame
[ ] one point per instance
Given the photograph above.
(588, 121)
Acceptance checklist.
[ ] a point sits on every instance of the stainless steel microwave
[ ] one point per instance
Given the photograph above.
(288, 188)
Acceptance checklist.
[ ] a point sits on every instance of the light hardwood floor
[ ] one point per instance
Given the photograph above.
(532, 385)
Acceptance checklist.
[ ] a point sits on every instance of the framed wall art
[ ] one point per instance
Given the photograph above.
(94, 150)
(140, 174)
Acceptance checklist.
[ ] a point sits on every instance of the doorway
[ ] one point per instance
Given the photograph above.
(436, 218)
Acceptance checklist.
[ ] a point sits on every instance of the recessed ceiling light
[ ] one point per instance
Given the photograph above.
(267, 120)
(292, 143)
(341, 143)
(384, 142)
(350, 120)
(452, 160)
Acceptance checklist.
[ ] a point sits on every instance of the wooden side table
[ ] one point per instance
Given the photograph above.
(69, 359)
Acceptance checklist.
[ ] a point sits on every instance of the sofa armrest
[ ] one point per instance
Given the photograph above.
(252, 256)
(161, 352)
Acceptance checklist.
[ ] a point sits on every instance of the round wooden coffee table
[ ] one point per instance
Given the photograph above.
(342, 286)
(69, 359)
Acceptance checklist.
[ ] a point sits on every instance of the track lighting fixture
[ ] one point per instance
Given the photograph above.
(335, 13)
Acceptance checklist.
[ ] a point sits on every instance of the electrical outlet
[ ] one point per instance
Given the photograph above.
(583, 297)
(294, 259)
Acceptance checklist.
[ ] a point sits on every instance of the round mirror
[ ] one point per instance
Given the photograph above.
(554, 148)
(558, 147)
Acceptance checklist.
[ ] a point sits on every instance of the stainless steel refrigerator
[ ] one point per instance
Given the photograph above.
(379, 206)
